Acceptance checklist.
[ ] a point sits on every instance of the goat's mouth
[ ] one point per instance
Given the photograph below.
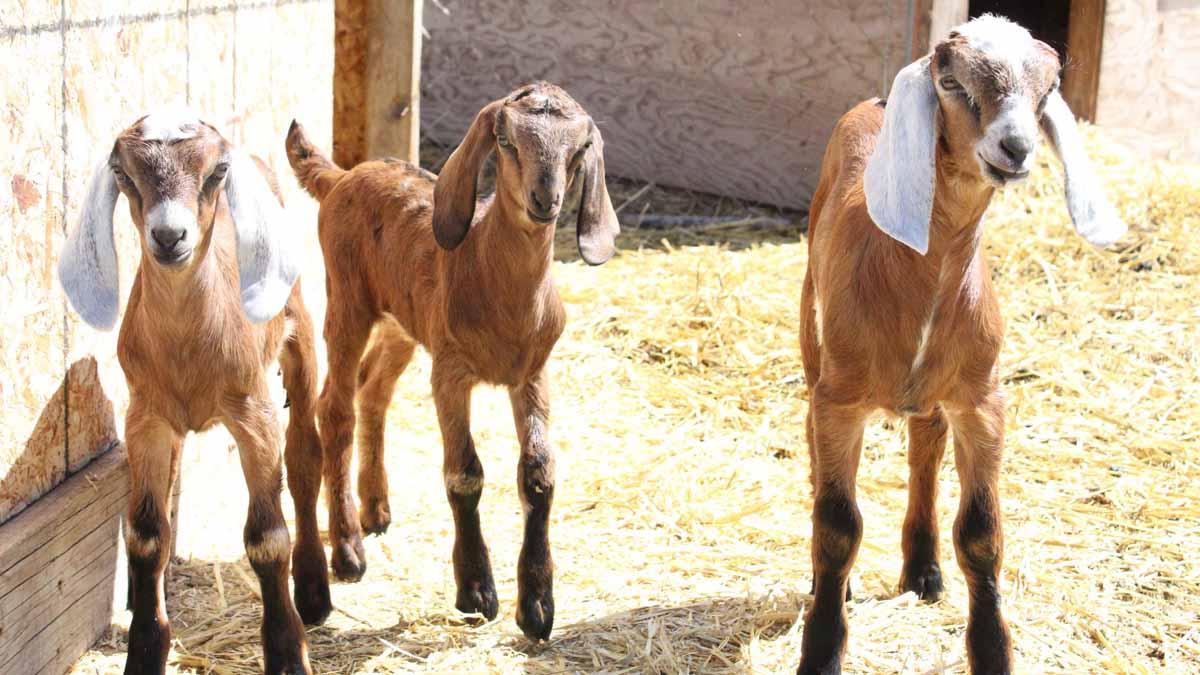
(542, 219)
(1000, 176)
(172, 258)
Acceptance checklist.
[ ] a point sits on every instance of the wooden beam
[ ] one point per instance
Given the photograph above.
(1085, 38)
(59, 569)
(376, 80)
(932, 21)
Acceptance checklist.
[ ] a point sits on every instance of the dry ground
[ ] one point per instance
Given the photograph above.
(681, 526)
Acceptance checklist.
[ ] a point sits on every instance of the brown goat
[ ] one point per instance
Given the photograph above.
(193, 358)
(898, 312)
(471, 283)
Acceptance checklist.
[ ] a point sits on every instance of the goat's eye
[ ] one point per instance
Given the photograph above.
(215, 177)
(950, 84)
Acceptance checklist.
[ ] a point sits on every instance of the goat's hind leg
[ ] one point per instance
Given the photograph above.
(153, 448)
(387, 357)
(922, 572)
(251, 421)
(463, 475)
(310, 575)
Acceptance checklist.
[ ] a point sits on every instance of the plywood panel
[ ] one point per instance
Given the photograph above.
(1149, 92)
(32, 415)
(707, 95)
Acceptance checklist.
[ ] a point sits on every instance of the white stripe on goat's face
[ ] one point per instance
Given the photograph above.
(169, 125)
(993, 79)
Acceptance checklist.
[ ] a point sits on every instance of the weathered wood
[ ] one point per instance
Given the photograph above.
(1085, 40)
(376, 84)
(58, 568)
(731, 98)
(933, 20)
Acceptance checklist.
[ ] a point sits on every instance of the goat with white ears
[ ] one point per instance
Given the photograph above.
(214, 303)
(898, 312)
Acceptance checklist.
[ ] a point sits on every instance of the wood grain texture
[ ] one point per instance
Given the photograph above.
(376, 92)
(1085, 37)
(1149, 91)
(730, 98)
(58, 567)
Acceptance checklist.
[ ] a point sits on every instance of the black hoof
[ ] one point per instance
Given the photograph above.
(478, 598)
(349, 560)
(312, 602)
(925, 580)
(149, 645)
(535, 616)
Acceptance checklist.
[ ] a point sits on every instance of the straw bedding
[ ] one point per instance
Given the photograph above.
(681, 525)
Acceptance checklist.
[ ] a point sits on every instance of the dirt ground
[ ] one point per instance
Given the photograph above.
(681, 523)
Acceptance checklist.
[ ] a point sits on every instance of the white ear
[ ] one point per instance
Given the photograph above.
(266, 267)
(1095, 219)
(87, 268)
(899, 177)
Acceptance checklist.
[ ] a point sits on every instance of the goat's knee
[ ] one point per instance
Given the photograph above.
(978, 540)
(268, 544)
(838, 527)
(535, 480)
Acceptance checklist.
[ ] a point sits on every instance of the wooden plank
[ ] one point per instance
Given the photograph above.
(59, 567)
(1085, 40)
(730, 98)
(376, 84)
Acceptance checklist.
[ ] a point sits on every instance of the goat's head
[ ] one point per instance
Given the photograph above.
(545, 144)
(984, 93)
(173, 169)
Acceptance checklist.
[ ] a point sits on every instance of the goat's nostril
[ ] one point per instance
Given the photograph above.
(1016, 147)
(541, 204)
(167, 238)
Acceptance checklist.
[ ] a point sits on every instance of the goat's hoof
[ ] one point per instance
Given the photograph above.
(289, 664)
(535, 616)
(375, 516)
(828, 668)
(312, 602)
(477, 597)
(349, 560)
(925, 580)
(149, 645)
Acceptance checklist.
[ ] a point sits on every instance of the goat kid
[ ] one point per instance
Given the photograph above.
(214, 302)
(898, 312)
(417, 259)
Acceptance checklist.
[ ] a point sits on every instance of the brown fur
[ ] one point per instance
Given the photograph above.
(192, 359)
(417, 260)
(864, 306)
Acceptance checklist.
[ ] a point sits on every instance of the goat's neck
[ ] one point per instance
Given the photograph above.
(513, 262)
(955, 230)
(185, 296)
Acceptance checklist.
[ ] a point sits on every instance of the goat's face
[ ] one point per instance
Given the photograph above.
(542, 136)
(171, 171)
(546, 143)
(993, 81)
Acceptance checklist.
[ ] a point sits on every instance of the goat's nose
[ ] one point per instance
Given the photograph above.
(167, 238)
(1017, 147)
(542, 201)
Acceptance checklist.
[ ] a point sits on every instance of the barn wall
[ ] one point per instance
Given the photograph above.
(1149, 92)
(735, 98)
(73, 74)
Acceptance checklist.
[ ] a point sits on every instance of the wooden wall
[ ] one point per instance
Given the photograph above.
(735, 98)
(73, 73)
(1149, 93)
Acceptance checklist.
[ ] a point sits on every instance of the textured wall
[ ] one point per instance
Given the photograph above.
(735, 98)
(73, 74)
(1150, 76)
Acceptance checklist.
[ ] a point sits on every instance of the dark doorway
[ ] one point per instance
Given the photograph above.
(1048, 20)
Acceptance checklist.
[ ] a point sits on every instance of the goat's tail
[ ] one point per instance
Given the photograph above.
(316, 173)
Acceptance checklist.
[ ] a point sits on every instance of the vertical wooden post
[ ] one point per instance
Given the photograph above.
(376, 80)
(1081, 77)
(932, 21)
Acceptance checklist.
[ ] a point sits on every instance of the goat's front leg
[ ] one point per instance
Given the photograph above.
(302, 452)
(251, 421)
(463, 474)
(535, 485)
(837, 528)
(382, 365)
(978, 541)
(922, 572)
(153, 448)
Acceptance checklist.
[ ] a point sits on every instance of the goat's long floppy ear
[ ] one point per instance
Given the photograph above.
(900, 173)
(87, 268)
(597, 228)
(267, 267)
(454, 193)
(1095, 219)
